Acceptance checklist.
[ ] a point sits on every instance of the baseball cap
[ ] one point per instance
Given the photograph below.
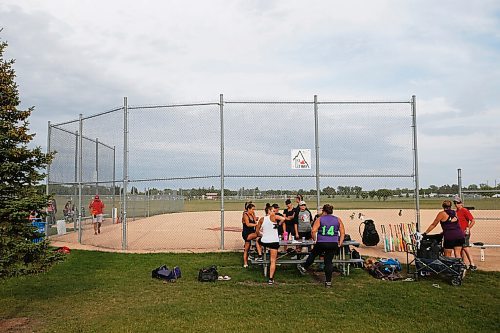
(457, 199)
(96, 197)
(302, 203)
(276, 206)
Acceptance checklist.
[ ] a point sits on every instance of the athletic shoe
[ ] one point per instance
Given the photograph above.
(260, 259)
(473, 267)
(270, 282)
(328, 284)
(245, 266)
(301, 269)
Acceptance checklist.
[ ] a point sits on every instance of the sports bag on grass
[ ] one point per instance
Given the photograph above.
(355, 255)
(208, 274)
(370, 235)
(165, 273)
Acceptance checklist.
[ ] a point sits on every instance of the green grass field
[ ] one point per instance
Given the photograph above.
(110, 292)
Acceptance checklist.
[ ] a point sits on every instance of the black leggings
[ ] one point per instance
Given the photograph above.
(329, 250)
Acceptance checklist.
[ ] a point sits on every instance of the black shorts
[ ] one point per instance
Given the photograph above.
(306, 235)
(245, 235)
(452, 243)
(467, 240)
(273, 246)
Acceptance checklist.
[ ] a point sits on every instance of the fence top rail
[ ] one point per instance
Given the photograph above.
(318, 102)
(87, 117)
(102, 113)
(160, 106)
(83, 137)
(171, 178)
(366, 102)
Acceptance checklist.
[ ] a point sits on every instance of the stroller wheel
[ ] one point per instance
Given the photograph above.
(456, 282)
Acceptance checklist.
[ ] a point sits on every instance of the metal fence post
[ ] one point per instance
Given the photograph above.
(75, 179)
(459, 171)
(221, 108)
(125, 172)
(80, 177)
(415, 158)
(316, 149)
(47, 189)
(114, 185)
(96, 165)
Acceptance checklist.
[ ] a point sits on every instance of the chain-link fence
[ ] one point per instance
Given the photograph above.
(484, 204)
(172, 161)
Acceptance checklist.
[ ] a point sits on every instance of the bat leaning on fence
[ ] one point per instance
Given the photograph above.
(384, 235)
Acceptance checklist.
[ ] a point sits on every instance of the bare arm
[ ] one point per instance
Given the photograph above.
(281, 219)
(471, 223)
(435, 222)
(259, 225)
(314, 230)
(246, 220)
(342, 232)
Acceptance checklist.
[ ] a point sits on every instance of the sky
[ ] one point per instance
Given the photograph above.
(77, 57)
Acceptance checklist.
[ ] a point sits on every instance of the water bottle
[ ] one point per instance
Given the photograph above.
(285, 235)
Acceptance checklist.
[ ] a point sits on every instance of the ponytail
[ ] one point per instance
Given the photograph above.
(268, 208)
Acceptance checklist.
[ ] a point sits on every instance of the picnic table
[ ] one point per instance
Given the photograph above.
(343, 260)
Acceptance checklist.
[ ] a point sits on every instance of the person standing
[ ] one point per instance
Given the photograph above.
(270, 239)
(290, 224)
(96, 207)
(453, 236)
(328, 232)
(466, 222)
(51, 211)
(276, 208)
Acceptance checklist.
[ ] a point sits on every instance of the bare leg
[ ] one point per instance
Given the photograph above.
(272, 268)
(448, 252)
(457, 250)
(245, 253)
(466, 252)
(95, 228)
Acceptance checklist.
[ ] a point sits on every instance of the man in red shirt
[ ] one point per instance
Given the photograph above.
(466, 222)
(96, 207)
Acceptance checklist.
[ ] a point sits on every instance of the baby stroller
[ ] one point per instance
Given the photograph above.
(428, 259)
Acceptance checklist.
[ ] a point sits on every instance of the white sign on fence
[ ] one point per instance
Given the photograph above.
(301, 158)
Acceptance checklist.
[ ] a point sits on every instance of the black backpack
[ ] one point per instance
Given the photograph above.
(208, 274)
(355, 255)
(370, 235)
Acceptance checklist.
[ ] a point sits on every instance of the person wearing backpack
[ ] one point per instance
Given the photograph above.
(328, 232)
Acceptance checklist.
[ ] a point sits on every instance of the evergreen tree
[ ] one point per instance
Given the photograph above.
(19, 176)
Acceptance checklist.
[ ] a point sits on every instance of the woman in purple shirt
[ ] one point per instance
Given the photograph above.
(328, 232)
(453, 235)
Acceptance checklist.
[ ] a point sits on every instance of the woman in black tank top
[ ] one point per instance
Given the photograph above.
(249, 223)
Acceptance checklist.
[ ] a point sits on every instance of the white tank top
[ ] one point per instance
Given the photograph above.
(269, 232)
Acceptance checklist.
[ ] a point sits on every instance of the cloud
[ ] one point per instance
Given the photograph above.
(84, 57)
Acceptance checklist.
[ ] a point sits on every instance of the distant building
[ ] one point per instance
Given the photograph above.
(210, 196)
